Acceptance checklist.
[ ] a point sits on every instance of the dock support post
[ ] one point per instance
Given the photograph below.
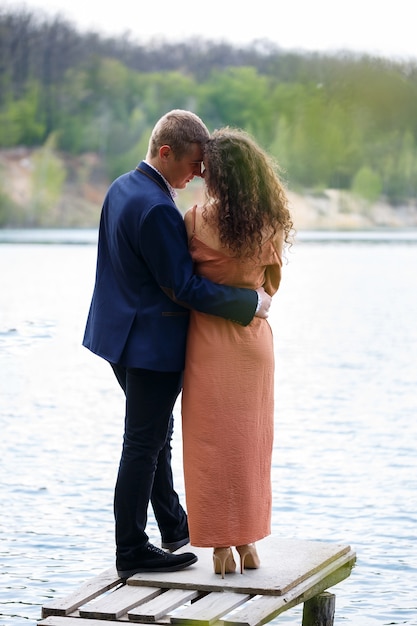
(319, 611)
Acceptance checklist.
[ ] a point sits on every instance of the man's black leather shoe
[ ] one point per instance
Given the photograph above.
(153, 559)
(172, 546)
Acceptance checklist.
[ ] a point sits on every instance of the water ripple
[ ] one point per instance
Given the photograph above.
(345, 467)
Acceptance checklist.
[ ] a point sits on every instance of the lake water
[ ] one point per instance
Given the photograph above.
(345, 459)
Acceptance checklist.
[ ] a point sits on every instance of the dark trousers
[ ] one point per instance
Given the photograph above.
(145, 473)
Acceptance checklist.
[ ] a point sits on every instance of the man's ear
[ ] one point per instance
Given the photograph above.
(164, 152)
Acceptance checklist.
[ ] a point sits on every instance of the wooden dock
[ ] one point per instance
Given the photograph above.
(292, 572)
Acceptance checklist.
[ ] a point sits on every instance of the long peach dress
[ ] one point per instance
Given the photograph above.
(227, 408)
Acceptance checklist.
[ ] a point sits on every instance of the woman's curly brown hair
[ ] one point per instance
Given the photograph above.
(243, 186)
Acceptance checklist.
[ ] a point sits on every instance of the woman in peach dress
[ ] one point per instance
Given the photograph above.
(236, 238)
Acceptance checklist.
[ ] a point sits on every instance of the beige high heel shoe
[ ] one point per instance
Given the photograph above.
(223, 561)
(248, 557)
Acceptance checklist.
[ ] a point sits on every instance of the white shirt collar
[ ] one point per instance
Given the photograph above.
(171, 189)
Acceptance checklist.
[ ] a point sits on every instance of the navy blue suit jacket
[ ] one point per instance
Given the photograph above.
(145, 283)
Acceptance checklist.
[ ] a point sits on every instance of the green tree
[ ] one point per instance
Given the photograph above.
(22, 120)
(48, 177)
(239, 97)
(404, 184)
(367, 184)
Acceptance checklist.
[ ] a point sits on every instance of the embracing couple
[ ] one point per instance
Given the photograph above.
(181, 304)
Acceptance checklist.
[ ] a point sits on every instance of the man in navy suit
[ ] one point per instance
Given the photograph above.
(138, 321)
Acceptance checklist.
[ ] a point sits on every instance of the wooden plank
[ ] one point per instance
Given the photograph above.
(263, 609)
(291, 572)
(118, 603)
(88, 591)
(60, 620)
(284, 564)
(157, 608)
(209, 608)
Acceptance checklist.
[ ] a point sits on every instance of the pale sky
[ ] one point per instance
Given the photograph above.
(371, 26)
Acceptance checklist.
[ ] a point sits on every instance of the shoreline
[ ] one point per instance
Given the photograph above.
(88, 236)
(78, 203)
(339, 210)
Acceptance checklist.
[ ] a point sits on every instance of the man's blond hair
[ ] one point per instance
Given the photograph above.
(177, 129)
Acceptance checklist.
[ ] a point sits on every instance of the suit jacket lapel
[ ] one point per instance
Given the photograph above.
(144, 169)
